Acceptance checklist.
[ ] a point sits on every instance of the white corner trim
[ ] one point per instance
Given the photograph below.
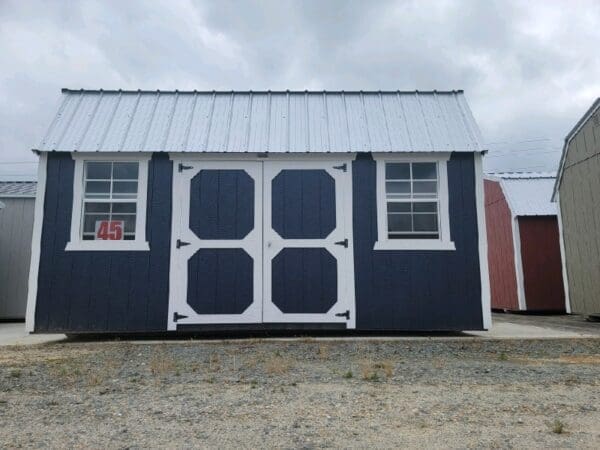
(383, 242)
(139, 243)
(563, 255)
(516, 232)
(486, 305)
(36, 243)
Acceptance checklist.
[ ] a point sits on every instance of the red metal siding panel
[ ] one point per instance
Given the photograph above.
(542, 266)
(501, 254)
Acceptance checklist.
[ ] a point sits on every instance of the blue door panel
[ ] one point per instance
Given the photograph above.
(304, 280)
(303, 204)
(220, 281)
(221, 204)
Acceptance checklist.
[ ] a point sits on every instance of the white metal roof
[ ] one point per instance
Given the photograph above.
(282, 121)
(17, 188)
(528, 193)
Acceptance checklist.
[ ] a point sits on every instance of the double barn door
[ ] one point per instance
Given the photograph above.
(261, 242)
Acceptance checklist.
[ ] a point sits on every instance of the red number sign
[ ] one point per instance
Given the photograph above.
(109, 230)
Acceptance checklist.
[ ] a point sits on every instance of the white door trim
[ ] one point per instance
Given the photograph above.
(274, 243)
(251, 244)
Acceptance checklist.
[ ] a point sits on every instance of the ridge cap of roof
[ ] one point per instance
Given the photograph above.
(251, 91)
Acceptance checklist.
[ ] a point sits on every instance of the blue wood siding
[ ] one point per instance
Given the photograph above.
(115, 291)
(418, 290)
(128, 291)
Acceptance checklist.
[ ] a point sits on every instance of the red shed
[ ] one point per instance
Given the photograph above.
(523, 242)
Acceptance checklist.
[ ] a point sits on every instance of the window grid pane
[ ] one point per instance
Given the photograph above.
(110, 193)
(412, 203)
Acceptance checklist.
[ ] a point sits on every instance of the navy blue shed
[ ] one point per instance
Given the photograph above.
(186, 211)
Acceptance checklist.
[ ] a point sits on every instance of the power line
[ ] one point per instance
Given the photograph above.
(520, 142)
(495, 155)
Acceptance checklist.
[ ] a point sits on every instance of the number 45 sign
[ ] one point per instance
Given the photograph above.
(109, 230)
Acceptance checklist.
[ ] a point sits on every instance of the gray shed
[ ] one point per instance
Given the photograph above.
(16, 228)
(577, 192)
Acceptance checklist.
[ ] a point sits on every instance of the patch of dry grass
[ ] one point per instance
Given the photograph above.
(278, 365)
(557, 426)
(162, 363)
(323, 351)
(374, 370)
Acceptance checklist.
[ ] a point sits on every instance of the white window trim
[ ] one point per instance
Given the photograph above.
(139, 243)
(383, 242)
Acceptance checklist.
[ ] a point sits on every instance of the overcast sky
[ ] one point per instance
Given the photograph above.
(529, 69)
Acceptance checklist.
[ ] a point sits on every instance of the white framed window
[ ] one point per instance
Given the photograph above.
(412, 202)
(109, 202)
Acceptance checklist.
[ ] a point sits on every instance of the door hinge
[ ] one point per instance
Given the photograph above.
(181, 243)
(177, 316)
(344, 243)
(181, 167)
(344, 314)
(343, 167)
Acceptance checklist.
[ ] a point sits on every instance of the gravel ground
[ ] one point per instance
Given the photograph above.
(451, 393)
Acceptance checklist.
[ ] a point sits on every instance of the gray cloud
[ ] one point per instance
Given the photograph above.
(529, 69)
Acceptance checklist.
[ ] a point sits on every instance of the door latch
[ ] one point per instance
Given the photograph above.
(344, 314)
(177, 316)
(344, 243)
(181, 243)
(181, 167)
(343, 167)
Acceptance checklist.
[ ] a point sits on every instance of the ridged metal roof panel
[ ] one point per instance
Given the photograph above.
(333, 121)
(17, 189)
(528, 193)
